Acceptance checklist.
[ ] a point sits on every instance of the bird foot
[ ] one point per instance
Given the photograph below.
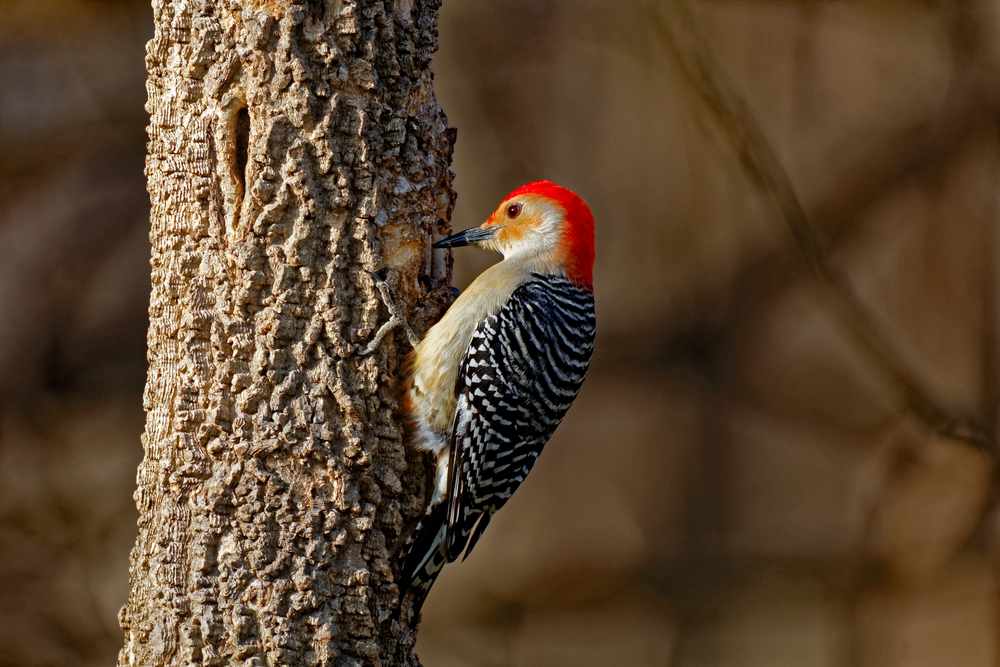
(396, 318)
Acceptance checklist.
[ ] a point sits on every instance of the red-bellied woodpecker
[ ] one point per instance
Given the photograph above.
(490, 382)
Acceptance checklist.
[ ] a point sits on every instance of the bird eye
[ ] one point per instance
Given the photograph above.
(513, 210)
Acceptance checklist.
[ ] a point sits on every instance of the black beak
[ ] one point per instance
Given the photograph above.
(474, 235)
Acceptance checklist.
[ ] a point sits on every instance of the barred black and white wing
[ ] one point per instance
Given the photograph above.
(522, 371)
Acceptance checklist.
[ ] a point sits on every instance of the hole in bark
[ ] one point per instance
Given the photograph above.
(242, 145)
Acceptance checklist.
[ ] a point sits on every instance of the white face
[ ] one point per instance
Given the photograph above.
(528, 226)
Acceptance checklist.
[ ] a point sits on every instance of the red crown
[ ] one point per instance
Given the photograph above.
(578, 236)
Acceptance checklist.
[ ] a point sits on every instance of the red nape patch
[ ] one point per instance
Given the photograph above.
(578, 237)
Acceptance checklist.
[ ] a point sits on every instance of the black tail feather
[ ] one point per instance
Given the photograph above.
(423, 556)
(477, 532)
(420, 542)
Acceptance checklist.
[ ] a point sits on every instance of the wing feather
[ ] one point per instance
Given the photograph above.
(522, 371)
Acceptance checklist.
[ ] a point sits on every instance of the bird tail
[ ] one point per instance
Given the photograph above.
(423, 556)
(484, 520)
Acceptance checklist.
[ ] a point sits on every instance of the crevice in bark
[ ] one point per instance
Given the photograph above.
(242, 144)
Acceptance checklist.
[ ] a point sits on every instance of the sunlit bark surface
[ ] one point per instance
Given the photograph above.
(290, 146)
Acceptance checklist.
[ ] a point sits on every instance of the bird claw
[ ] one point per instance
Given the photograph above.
(396, 318)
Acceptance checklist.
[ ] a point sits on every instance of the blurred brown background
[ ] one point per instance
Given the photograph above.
(740, 482)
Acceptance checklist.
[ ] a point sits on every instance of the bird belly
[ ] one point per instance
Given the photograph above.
(427, 439)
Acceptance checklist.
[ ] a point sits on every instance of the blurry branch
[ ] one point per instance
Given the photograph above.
(673, 20)
(971, 30)
(991, 355)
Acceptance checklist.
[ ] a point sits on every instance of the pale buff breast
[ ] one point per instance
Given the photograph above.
(439, 355)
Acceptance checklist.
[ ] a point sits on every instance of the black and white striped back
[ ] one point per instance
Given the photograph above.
(523, 369)
(520, 375)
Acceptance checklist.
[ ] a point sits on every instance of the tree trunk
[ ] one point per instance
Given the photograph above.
(291, 144)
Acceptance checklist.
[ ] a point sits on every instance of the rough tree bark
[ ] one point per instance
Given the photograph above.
(292, 143)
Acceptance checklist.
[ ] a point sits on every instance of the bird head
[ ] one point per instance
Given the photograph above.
(542, 225)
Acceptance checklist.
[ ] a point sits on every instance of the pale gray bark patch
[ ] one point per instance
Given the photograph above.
(291, 144)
